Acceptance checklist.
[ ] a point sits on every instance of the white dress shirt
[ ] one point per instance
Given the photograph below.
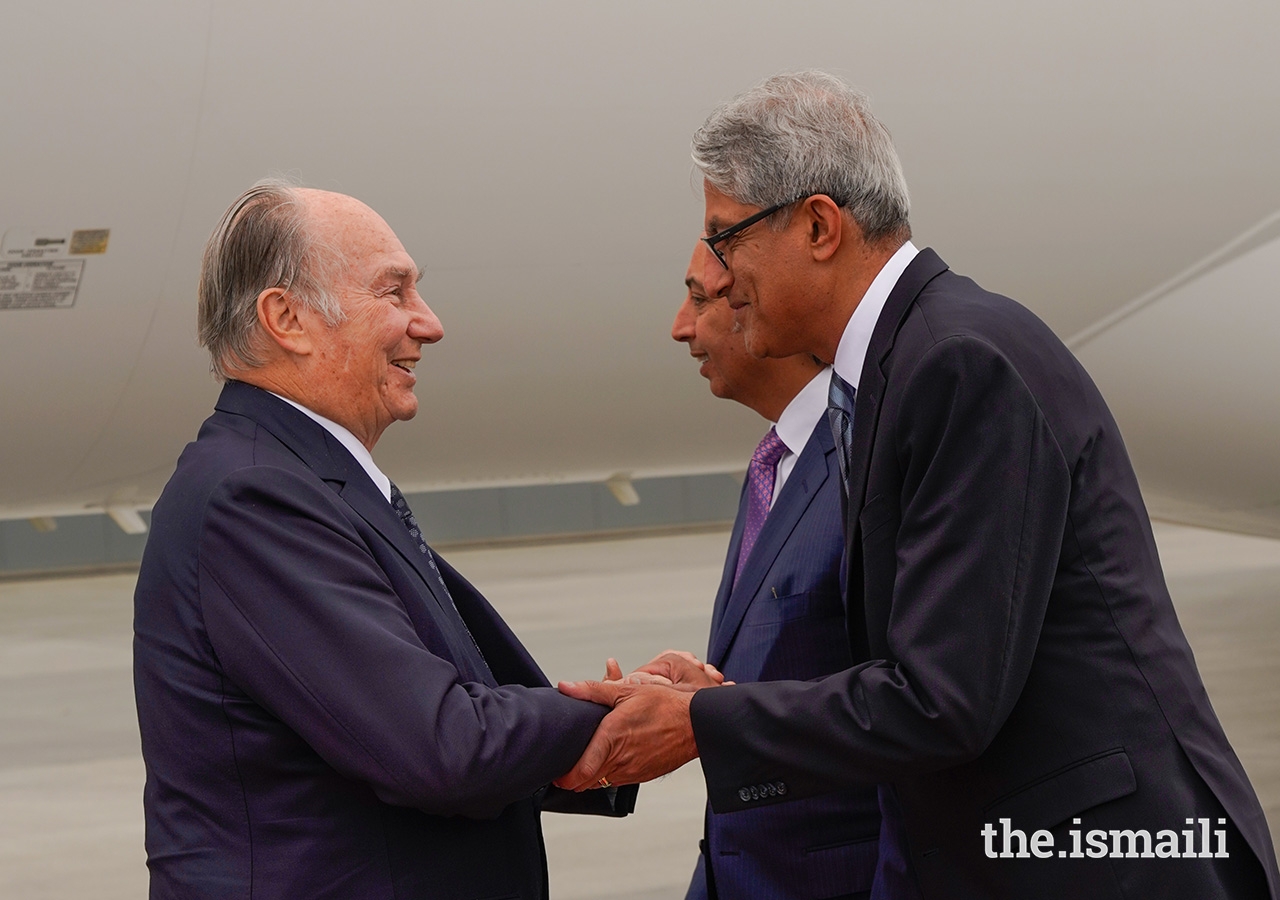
(852, 351)
(796, 424)
(354, 447)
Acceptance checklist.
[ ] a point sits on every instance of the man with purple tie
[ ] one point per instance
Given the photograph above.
(778, 613)
(1018, 664)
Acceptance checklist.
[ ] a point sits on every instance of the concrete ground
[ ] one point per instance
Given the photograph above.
(71, 776)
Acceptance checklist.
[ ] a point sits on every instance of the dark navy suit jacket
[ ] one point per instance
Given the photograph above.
(784, 618)
(1025, 659)
(315, 720)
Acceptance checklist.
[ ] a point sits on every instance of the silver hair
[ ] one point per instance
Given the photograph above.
(802, 133)
(263, 241)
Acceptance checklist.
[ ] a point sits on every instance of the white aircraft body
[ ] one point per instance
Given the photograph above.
(1112, 166)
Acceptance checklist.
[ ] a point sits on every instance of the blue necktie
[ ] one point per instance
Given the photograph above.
(840, 400)
(402, 509)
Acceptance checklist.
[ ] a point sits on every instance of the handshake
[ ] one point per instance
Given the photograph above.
(649, 732)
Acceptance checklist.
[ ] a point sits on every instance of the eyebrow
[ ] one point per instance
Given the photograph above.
(399, 273)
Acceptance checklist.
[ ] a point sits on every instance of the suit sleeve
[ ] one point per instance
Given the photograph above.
(967, 534)
(307, 625)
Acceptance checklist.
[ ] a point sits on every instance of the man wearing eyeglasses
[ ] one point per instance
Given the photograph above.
(779, 614)
(1029, 694)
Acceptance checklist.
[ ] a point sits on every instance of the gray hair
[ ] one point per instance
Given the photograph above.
(261, 242)
(802, 133)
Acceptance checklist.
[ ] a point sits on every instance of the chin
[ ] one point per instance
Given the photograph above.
(763, 345)
(405, 410)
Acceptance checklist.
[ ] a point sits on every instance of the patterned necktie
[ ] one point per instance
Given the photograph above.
(840, 400)
(402, 509)
(760, 479)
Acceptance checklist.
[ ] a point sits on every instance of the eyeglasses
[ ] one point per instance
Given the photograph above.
(721, 236)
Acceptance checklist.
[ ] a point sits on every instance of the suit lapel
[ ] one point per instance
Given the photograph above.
(726, 577)
(926, 266)
(364, 497)
(923, 269)
(808, 476)
(324, 454)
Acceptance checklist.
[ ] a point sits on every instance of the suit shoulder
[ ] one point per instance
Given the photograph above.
(953, 305)
(954, 310)
(957, 329)
(229, 451)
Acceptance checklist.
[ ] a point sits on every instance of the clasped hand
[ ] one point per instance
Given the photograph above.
(648, 733)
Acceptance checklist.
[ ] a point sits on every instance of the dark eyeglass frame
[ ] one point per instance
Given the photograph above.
(721, 236)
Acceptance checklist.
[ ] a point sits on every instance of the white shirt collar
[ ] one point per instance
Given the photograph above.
(852, 351)
(801, 416)
(795, 425)
(348, 440)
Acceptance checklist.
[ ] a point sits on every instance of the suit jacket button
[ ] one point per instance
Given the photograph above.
(755, 792)
(744, 795)
(782, 788)
(773, 790)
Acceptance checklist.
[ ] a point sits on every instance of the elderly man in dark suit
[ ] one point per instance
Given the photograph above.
(1029, 693)
(779, 612)
(327, 709)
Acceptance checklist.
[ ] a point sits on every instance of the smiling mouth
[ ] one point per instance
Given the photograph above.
(405, 364)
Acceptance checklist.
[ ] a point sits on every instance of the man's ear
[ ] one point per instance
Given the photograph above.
(826, 226)
(280, 315)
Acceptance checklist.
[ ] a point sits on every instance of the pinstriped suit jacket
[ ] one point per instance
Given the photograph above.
(784, 619)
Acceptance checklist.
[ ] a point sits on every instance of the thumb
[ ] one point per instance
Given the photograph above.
(612, 671)
(605, 693)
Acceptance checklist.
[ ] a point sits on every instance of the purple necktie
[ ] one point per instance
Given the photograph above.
(760, 478)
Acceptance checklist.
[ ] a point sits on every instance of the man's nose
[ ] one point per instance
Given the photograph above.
(682, 329)
(424, 326)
